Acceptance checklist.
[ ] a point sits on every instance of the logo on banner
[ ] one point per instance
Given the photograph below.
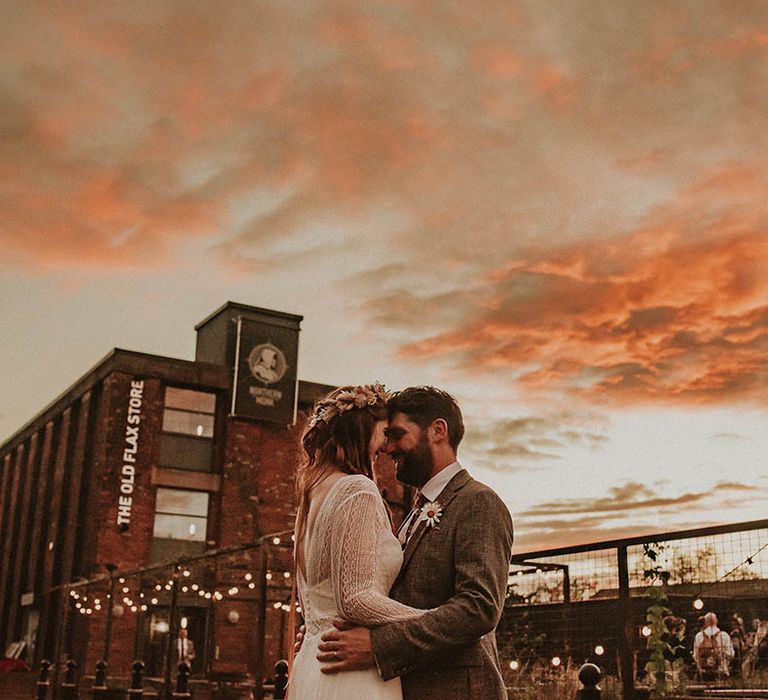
(268, 365)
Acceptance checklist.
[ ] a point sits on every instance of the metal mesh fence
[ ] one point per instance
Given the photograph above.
(634, 607)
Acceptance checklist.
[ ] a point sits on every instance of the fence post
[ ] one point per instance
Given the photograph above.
(589, 676)
(182, 683)
(43, 683)
(136, 691)
(626, 638)
(281, 679)
(99, 690)
(69, 684)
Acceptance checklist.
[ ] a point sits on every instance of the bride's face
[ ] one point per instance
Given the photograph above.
(378, 440)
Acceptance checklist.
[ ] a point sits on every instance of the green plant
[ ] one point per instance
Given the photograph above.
(663, 667)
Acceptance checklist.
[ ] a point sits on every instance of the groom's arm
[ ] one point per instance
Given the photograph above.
(482, 550)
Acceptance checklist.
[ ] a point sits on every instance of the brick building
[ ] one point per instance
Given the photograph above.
(148, 460)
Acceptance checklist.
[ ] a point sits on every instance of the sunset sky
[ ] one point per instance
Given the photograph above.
(558, 211)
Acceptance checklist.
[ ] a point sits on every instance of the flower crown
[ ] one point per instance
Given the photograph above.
(356, 397)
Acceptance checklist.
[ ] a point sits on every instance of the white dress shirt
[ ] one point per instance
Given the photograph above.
(431, 490)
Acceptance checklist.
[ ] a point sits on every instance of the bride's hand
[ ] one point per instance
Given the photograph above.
(299, 639)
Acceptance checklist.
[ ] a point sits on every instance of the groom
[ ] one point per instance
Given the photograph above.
(455, 566)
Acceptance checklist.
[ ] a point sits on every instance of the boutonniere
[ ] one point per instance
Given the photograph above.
(430, 513)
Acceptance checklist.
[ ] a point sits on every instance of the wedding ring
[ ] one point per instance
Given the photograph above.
(337, 655)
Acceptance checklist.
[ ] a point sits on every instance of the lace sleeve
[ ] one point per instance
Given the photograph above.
(358, 519)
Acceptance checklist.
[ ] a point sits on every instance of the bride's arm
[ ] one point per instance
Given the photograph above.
(358, 520)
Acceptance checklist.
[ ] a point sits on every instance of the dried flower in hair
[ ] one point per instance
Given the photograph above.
(357, 397)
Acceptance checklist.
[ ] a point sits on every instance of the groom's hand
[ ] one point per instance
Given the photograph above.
(346, 648)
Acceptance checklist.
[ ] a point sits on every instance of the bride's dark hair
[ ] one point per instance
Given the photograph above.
(337, 436)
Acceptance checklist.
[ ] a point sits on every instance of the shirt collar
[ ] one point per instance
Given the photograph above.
(434, 487)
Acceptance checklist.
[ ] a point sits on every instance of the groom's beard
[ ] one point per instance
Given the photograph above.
(414, 467)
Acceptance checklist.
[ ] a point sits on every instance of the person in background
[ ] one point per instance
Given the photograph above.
(712, 650)
(185, 649)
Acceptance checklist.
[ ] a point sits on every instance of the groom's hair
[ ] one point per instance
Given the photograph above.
(424, 404)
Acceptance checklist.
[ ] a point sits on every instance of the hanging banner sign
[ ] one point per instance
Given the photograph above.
(130, 450)
(265, 372)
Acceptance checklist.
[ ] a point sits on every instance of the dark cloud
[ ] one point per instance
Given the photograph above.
(631, 496)
(629, 511)
(730, 437)
(615, 504)
(735, 486)
(515, 443)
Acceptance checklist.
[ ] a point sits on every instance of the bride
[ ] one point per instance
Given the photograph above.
(346, 555)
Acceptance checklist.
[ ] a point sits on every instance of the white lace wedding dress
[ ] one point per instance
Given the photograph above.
(352, 559)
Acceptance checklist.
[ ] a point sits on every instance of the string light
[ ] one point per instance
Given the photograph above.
(556, 661)
(698, 604)
(646, 631)
(749, 561)
(514, 665)
(136, 601)
(599, 650)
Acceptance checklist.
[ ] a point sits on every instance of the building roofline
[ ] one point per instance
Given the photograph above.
(118, 360)
(253, 309)
(132, 361)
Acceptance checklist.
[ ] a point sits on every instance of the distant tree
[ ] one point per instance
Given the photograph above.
(687, 568)
(518, 638)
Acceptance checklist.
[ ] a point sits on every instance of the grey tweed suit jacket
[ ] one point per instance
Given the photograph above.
(458, 571)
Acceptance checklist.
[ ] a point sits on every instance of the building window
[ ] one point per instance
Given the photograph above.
(181, 524)
(188, 422)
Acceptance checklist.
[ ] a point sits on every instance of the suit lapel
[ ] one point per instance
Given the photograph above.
(445, 497)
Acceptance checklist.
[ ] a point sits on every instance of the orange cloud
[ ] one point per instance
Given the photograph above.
(672, 312)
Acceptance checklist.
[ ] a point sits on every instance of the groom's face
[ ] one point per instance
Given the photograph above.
(409, 448)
